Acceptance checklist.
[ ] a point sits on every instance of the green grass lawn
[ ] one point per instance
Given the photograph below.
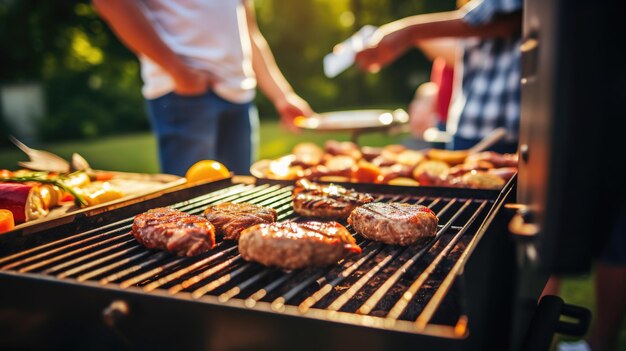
(580, 291)
(137, 153)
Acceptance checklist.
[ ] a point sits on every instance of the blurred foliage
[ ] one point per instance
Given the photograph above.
(302, 32)
(92, 83)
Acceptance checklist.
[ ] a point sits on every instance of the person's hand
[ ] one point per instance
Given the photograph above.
(385, 46)
(289, 107)
(191, 82)
(422, 110)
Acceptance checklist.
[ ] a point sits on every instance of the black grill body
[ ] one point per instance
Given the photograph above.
(84, 283)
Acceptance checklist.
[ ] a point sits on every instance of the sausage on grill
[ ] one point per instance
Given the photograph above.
(291, 245)
(326, 201)
(174, 231)
(394, 223)
(230, 219)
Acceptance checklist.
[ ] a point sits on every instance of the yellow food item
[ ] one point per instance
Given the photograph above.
(51, 195)
(100, 192)
(410, 157)
(206, 171)
(7, 223)
(451, 157)
(79, 179)
(483, 180)
(404, 181)
(432, 168)
(335, 179)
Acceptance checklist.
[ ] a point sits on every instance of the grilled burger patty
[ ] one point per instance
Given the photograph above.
(326, 201)
(291, 245)
(174, 231)
(394, 223)
(230, 219)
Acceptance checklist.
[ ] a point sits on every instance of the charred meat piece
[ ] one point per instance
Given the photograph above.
(396, 171)
(394, 223)
(290, 245)
(307, 154)
(340, 165)
(482, 180)
(369, 153)
(174, 231)
(346, 148)
(326, 201)
(431, 172)
(498, 160)
(230, 219)
(505, 173)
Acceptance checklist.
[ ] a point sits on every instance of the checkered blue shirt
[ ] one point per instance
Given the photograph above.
(491, 76)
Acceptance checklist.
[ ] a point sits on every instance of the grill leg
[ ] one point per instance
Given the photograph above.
(546, 322)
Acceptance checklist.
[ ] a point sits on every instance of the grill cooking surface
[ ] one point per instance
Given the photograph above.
(408, 289)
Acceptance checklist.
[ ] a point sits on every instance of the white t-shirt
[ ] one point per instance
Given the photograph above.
(210, 35)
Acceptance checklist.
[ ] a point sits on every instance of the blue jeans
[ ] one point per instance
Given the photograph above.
(203, 127)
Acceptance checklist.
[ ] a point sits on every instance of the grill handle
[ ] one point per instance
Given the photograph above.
(582, 317)
(113, 313)
(547, 321)
(113, 316)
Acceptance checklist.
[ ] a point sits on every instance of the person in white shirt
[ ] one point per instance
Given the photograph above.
(201, 61)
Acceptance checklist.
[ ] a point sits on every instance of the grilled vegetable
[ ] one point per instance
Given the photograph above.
(97, 193)
(7, 223)
(47, 178)
(51, 195)
(23, 200)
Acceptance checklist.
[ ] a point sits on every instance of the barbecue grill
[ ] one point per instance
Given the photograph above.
(82, 282)
(93, 270)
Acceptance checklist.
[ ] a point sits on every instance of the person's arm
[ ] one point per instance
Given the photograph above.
(394, 38)
(445, 48)
(136, 32)
(271, 81)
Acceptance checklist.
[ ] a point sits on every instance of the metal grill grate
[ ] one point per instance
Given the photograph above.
(386, 286)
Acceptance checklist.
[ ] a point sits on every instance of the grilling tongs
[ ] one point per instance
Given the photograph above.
(46, 161)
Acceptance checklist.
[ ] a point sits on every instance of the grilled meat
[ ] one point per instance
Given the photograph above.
(369, 153)
(482, 180)
(291, 245)
(394, 223)
(307, 154)
(230, 219)
(174, 231)
(346, 148)
(326, 201)
(505, 173)
(498, 160)
(431, 172)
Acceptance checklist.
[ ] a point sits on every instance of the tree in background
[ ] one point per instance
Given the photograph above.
(92, 83)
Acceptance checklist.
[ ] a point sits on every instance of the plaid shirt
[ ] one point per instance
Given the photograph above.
(491, 76)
